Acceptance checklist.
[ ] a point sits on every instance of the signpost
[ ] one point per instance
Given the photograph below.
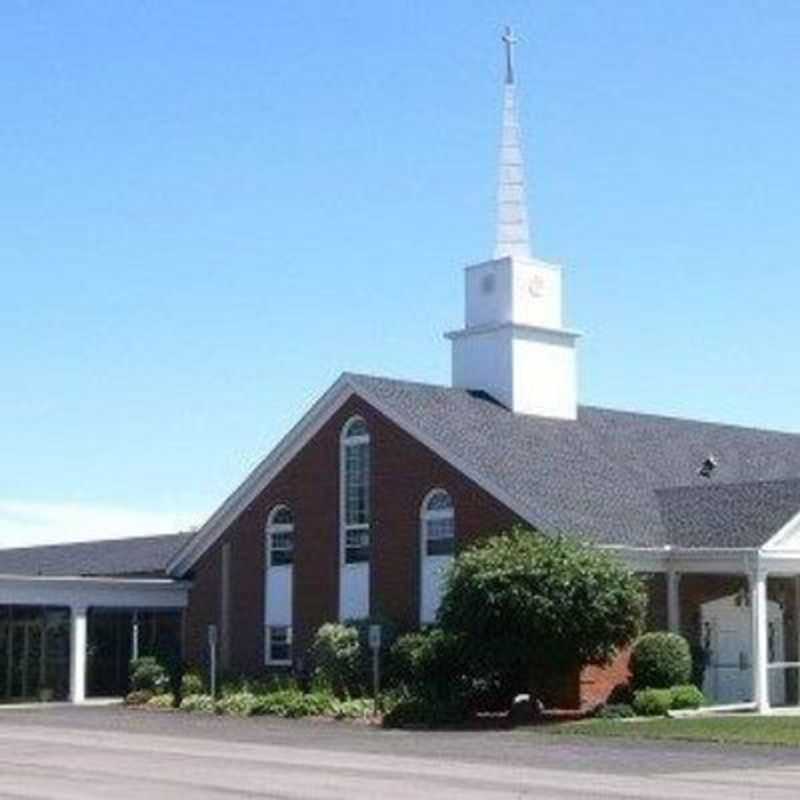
(375, 646)
(212, 658)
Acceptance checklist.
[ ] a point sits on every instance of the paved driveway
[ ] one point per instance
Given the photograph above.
(121, 754)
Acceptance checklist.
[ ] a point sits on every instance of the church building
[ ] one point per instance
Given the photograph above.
(364, 502)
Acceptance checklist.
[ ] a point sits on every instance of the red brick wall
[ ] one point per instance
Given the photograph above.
(595, 684)
(403, 473)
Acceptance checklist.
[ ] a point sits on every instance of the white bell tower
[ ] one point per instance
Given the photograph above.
(514, 345)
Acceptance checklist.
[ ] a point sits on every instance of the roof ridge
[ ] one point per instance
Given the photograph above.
(694, 420)
(654, 415)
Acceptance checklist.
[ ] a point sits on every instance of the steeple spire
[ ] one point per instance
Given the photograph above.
(513, 234)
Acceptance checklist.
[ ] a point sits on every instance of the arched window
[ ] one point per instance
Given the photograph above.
(438, 524)
(356, 491)
(280, 557)
(280, 537)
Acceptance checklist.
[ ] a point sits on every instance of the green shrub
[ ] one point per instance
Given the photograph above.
(615, 711)
(652, 702)
(660, 660)
(415, 711)
(529, 607)
(688, 696)
(162, 701)
(337, 659)
(431, 664)
(192, 683)
(198, 702)
(138, 697)
(147, 674)
(352, 708)
(294, 703)
(237, 704)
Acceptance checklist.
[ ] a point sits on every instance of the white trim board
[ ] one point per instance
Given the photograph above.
(99, 592)
(286, 449)
(291, 444)
(788, 532)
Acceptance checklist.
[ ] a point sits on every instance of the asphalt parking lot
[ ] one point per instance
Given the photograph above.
(124, 754)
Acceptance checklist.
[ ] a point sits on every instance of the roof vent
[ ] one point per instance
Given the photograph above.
(708, 467)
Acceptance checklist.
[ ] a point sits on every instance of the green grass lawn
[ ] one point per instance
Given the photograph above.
(738, 729)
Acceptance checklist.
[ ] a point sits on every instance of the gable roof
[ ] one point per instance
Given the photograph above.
(728, 514)
(596, 477)
(137, 556)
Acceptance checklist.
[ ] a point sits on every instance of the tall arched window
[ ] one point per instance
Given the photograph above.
(438, 524)
(280, 537)
(279, 581)
(356, 491)
(437, 547)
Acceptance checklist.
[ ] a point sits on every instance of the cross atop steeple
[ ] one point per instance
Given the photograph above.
(510, 40)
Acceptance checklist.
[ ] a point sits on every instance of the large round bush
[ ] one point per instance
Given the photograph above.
(660, 661)
(528, 607)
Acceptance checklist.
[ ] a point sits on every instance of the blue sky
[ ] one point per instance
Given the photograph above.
(209, 210)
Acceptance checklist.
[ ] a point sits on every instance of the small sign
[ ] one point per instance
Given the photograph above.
(374, 637)
(212, 635)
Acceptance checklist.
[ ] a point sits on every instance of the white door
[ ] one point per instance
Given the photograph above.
(727, 630)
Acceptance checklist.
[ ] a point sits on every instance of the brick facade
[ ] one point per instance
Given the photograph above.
(403, 472)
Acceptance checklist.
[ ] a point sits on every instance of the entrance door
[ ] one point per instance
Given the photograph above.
(727, 627)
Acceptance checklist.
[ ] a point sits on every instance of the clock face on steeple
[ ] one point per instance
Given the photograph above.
(536, 286)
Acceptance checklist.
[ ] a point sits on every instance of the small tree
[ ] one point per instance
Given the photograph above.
(529, 607)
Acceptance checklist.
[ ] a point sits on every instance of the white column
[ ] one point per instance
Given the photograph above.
(135, 637)
(758, 606)
(797, 629)
(673, 601)
(77, 655)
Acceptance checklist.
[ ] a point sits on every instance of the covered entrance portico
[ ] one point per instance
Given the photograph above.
(740, 610)
(45, 630)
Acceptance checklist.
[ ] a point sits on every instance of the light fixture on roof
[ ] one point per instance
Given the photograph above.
(708, 467)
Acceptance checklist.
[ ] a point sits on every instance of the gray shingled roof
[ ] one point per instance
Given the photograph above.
(728, 514)
(135, 557)
(598, 477)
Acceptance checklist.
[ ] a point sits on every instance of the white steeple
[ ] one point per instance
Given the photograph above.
(514, 345)
(513, 234)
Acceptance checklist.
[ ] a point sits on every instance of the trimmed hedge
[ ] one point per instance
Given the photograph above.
(688, 696)
(652, 702)
(660, 661)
